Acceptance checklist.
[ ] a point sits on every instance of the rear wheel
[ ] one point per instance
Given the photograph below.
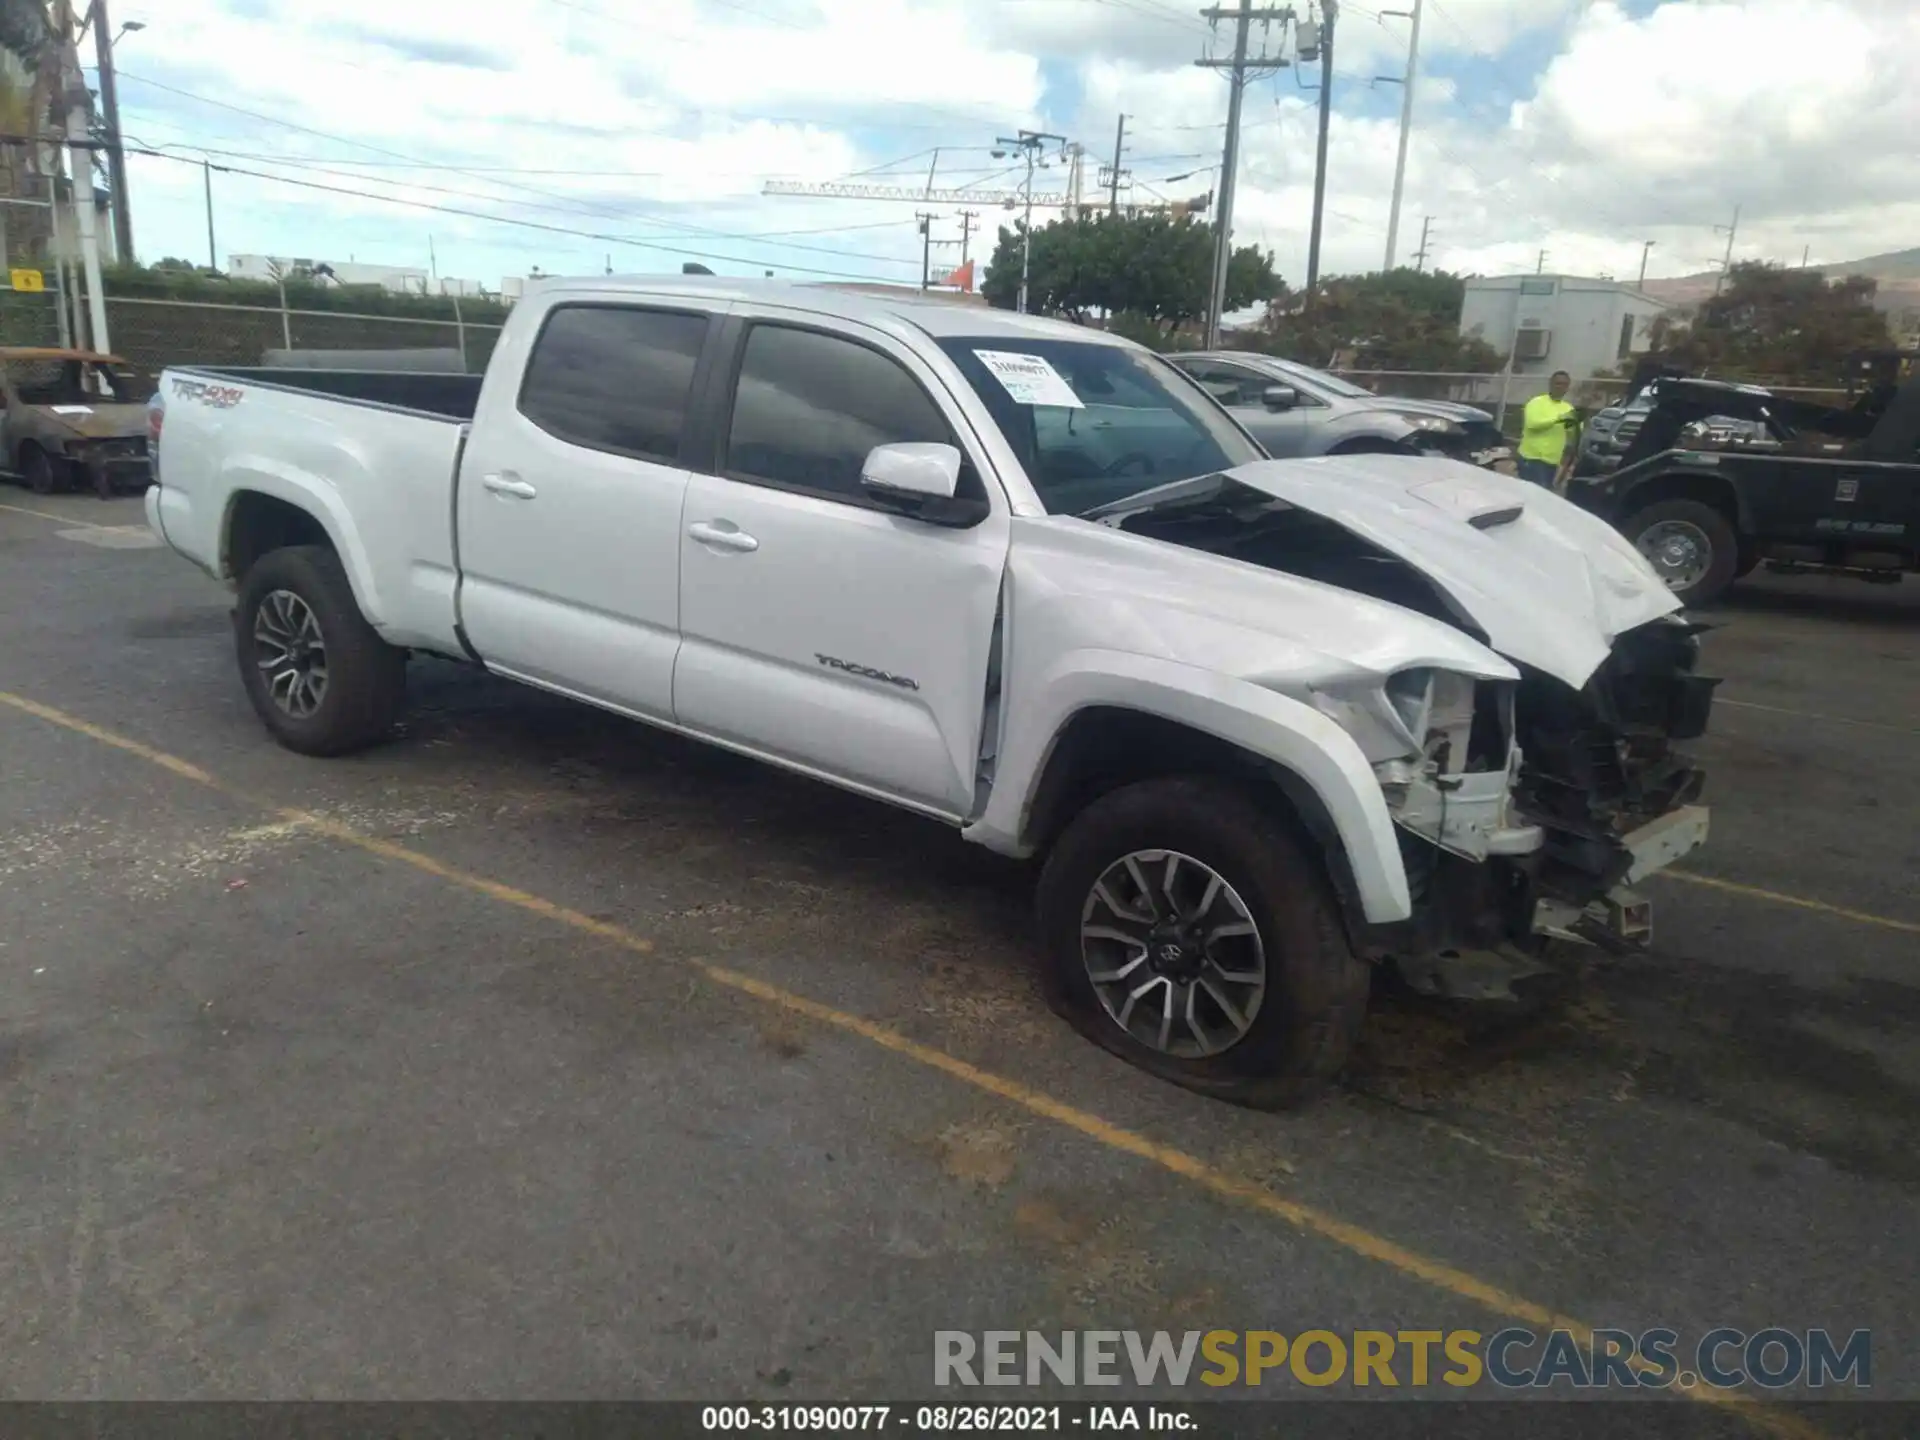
(318, 674)
(1190, 933)
(1690, 544)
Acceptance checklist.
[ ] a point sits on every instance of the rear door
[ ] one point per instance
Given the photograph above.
(817, 628)
(569, 504)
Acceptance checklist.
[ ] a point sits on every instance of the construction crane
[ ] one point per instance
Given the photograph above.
(855, 190)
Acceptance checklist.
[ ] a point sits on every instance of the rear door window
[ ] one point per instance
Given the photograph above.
(614, 377)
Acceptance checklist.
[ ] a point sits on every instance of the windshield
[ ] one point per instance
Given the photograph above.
(1093, 423)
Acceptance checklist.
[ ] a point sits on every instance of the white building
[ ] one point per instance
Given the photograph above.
(400, 279)
(1560, 322)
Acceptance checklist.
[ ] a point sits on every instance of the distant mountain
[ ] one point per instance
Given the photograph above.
(1897, 271)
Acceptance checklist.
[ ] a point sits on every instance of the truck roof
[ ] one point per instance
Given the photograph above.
(938, 318)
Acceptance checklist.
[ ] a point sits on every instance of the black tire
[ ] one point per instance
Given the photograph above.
(1723, 543)
(366, 678)
(41, 471)
(1316, 989)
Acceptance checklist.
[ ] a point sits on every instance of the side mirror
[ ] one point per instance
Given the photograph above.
(921, 481)
(1279, 397)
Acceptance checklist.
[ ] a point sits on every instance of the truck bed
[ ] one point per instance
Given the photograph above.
(445, 397)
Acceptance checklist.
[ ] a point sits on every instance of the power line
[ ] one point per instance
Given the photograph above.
(565, 203)
(515, 221)
(525, 205)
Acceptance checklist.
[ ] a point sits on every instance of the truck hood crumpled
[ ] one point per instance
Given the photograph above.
(1548, 584)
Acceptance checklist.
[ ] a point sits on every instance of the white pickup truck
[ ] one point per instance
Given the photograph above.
(1270, 723)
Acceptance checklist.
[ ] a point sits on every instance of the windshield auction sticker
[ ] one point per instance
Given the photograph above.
(1029, 379)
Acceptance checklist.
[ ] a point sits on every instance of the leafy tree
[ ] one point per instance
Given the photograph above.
(1148, 272)
(1772, 323)
(1393, 320)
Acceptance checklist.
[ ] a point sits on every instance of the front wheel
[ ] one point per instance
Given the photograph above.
(1690, 544)
(318, 674)
(1190, 933)
(43, 474)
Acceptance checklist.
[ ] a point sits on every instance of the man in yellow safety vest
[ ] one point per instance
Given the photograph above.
(1546, 428)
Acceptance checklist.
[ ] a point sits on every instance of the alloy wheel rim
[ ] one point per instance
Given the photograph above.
(1678, 550)
(290, 652)
(1173, 953)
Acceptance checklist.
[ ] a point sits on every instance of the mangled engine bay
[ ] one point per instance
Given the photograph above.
(1530, 806)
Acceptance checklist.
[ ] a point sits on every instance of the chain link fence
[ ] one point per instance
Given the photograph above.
(153, 334)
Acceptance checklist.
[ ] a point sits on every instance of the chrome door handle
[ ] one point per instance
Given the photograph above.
(729, 538)
(509, 484)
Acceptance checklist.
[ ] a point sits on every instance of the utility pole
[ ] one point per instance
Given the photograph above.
(103, 39)
(926, 219)
(1540, 265)
(1406, 128)
(1726, 264)
(80, 168)
(1030, 143)
(967, 217)
(1420, 255)
(1237, 73)
(1806, 253)
(1329, 12)
(1113, 176)
(1645, 250)
(206, 176)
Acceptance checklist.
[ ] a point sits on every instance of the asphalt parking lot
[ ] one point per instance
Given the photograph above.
(540, 1055)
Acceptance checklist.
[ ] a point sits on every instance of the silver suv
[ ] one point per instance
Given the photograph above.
(1295, 410)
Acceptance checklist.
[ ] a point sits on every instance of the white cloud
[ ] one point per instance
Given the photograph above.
(1643, 124)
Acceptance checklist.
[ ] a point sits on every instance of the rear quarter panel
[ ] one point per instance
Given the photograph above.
(378, 479)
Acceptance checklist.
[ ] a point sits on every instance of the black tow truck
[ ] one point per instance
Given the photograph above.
(1797, 486)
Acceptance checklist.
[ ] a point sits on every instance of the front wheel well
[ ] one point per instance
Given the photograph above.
(1103, 747)
(260, 524)
(1370, 445)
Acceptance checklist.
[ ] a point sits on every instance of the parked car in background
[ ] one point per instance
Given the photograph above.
(1293, 409)
(1607, 437)
(73, 417)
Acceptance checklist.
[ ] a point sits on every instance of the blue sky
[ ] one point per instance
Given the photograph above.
(1577, 128)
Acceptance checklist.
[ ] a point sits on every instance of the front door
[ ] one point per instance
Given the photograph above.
(569, 505)
(1283, 434)
(815, 627)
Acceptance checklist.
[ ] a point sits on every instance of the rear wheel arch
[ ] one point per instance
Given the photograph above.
(258, 523)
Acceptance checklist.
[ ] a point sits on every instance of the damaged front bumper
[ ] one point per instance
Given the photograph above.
(1622, 918)
(1593, 801)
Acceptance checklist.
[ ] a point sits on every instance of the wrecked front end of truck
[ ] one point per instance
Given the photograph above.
(1566, 801)
(1528, 809)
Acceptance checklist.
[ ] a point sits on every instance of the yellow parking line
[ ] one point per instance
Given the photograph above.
(1816, 715)
(1755, 892)
(1354, 1238)
(56, 519)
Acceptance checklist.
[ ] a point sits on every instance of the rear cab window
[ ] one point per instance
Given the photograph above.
(1094, 423)
(614, 377)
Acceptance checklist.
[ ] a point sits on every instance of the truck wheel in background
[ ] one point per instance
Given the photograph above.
(44, 475)
(317, 673)
(1192, 934)
(1690, 543)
